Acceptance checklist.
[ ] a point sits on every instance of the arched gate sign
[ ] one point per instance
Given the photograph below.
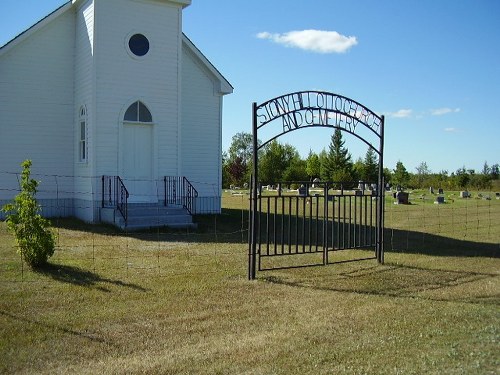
(322, 217)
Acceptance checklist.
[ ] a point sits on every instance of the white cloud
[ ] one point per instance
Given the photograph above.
(402, 113)
(444, 111)
(451, 130)
(319, 41)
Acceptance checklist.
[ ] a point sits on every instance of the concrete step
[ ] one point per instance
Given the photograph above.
(144, 216)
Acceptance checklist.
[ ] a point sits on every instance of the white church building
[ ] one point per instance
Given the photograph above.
(116, 108)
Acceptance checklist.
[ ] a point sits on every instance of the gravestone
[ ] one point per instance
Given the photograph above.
(497, 195)
(439, 199)
(440, 191)
(431, 190)
(464, 194)
(402, 197)
(303, 191)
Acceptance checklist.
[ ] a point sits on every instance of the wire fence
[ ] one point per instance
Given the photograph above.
(87, 253)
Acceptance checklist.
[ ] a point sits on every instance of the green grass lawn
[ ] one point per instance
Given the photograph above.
(177, 302)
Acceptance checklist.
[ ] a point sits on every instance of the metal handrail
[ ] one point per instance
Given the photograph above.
(179, 191)
(115, 195)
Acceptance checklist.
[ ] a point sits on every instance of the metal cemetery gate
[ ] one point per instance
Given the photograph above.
(309, 219)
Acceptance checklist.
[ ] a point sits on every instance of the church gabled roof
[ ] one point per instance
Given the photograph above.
(51, 16)
(225, 86)
(29, 31)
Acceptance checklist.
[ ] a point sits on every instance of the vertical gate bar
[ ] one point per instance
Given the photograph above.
(365, 242)
(351, 229)
(282, 225)
(360, 224)
(325, 224)
(274, 225)
(310, 222)
(338, 222)
(316, 198)
(259, 221)
(289, 225)
(335, 231)
(250, 230)
(304, 201)
(296, 225)
(267, 224)
(355, 225)
(343, 222)
(370, 231)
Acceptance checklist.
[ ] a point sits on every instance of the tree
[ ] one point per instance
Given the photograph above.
(462, 177)
(370, 166)
(237, 171)
(400, 177)
(241, 147)
(337, 166)
(486, 168)
(495, 171)
(274, 160)
(32, 232)
(422, 173)
(313, 165)
(238, 160)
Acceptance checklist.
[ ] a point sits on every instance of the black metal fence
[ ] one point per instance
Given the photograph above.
(315, 220)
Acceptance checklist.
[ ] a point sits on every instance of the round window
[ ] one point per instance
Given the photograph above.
(138, 44)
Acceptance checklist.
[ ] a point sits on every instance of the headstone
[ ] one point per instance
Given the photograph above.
(302, 191)
(431, 190)
(361, 185)
(358, 193)
(464, 194)
(487, 197)
(402, 197)
(316, 181)
(439, 199)
(497, 195)
(440, 191)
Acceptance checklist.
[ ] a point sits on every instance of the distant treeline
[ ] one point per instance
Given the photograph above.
(282, 162)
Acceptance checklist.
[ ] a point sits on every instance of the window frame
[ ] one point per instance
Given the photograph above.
(83, 151)
(138, 118)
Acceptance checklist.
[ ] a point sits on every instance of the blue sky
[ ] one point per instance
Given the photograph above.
(431, 67)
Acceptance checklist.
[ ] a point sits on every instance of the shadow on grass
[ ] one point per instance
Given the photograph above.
(78, 276)
(395, 280)
(53, 327)
(231, 226)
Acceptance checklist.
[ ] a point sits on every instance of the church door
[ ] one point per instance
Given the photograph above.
(137, 162)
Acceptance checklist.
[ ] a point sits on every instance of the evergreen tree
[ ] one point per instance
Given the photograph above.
(370, 166)
(400, 177)
(337, 164)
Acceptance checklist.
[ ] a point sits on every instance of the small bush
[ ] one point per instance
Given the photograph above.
(35, 240)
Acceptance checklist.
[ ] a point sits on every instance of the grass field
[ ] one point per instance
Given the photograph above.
(179, 302)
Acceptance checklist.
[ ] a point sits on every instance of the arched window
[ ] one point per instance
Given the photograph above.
(82, 135)
(138, 112)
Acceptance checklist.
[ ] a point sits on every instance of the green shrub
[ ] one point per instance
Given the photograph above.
(35, 240)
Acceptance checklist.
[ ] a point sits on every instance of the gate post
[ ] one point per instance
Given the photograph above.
(381, 198)
(254, 192)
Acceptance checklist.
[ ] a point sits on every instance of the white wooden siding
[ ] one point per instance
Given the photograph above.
(36, 105)
(201, 127)
(84, 87)
(121, 79)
